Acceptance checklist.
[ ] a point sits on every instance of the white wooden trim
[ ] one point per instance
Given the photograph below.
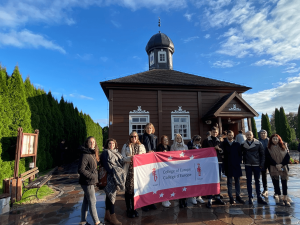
(188, 123)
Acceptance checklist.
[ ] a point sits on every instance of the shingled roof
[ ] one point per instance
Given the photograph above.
(171, 77)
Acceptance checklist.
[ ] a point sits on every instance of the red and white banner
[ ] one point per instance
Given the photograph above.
(162, 176)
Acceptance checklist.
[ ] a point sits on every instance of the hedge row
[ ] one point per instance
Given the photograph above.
(23, 105)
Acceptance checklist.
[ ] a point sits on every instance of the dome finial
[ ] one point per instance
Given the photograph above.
(159, 23)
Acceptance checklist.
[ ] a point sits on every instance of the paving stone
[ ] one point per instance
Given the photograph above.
(242, 220)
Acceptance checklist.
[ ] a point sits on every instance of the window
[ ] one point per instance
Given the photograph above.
(162, 56)
(137, 123)
(180, 122)
(151, 58)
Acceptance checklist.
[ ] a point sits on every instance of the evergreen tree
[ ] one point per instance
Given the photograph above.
(263, 121)
(254, 129)
(277, 122)
(285, 129)
(298, 127)
(268, 125)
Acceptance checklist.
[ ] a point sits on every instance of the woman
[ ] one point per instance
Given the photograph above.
(164, 147)
(112, 161)
(195, 143)
(278, 159)
(150, 142)
(88, 177)
(131, 148)
(178, 145)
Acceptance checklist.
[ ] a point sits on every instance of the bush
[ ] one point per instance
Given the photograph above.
(293, 145)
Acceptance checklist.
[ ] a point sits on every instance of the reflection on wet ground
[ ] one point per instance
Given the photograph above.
(66, 208)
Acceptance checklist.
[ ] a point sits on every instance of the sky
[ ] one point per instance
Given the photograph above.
(69, 46)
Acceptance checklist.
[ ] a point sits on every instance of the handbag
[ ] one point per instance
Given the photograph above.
(102, 177)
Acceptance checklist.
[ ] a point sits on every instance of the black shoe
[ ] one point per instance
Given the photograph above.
(221, 196)
(87, 223)
(208, 204)
(261, 201)
(130, 214)
(239, 199)
(231, 200)
(152, 207)
(184, 203)
(181, 204)
(136, 213)
(250, 201)
(219, 201)
(145, 208)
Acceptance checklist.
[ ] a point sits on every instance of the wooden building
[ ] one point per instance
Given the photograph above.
(175, 102)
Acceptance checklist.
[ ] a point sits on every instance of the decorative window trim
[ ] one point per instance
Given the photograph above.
(151, 58)
(234, 108)
(139, 110)
(162, 52)
(181, 114)
(131, 123)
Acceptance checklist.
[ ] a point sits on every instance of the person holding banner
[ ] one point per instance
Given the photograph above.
(150, 142)
(164, 147)
(254, 160)
(214, 141)
(88, 177)
(112, 161)
(232, 165)
(131, 148)
(178, 145)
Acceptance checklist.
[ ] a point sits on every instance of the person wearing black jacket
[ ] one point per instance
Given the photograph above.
(149, 140)
(88, 177)
(232, 165)
(254, 160)
(278, 158)
(213, 141)
(264, 140)
(164, 144)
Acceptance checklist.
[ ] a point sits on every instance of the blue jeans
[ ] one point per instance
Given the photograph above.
(220, 173)
(256, 171)
(89, 202)
(237, 186)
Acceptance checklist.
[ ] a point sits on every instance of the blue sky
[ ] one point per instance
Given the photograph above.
(69, 46)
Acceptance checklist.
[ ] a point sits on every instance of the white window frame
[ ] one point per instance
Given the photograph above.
(131, 123)
(162, 52)
(187, 123)
(151, 56)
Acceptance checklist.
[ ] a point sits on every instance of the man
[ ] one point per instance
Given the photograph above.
(264, 140)
(232, 165)
(240, 138)
(213, 141)
(254, 159)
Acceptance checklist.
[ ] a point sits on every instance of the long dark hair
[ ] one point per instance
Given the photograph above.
(108, 140)
(280, 142)
(86, 145)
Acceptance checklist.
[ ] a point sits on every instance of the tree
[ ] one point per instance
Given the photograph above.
(268, 125)
(254, 129)
(277, 122)
(272, 122)
(285, 129)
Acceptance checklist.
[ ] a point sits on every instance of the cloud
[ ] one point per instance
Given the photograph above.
(283, 95)
(190, 39)
(207, 36)
(38, 85)
(75, 95)
(84, 56)
(264, 62)
(188, 16)
(225, 64)
(291, 69)
(102, 122)
(116, 24)
(269, 29)
(69, 43)
(27, 39)
(103, 59)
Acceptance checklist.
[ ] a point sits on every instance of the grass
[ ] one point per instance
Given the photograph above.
(30, 194)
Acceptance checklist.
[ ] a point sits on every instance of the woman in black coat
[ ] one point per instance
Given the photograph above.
(88, 177)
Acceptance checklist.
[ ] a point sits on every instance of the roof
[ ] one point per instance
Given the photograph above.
(171, 77)
(160, 40)
(223, 102)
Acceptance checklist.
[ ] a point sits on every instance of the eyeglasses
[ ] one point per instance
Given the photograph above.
(133, 136)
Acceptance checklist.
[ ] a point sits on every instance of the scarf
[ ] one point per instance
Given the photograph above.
(278, 155)
(116, 180)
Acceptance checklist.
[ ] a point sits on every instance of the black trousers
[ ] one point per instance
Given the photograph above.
(264, 179)
(109, 206)
(129, 200)
(277, 187)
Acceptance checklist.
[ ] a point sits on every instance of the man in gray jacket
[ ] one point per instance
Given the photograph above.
(240, 138)
(254, 159)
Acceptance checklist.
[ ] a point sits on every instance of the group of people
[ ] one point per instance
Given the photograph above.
(257, 155)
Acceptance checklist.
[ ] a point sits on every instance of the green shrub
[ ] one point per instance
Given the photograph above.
(293, 145)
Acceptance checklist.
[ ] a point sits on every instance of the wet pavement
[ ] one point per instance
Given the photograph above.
(65, 209)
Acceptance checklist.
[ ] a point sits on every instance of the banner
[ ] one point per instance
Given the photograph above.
(162, 176)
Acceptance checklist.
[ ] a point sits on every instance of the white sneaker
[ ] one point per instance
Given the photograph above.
(265, 194)
(289, 200)
(165, 204)
(193, 200)
(277, 200)
(200, 200)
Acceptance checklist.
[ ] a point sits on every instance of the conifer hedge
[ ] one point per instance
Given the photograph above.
(23, 105)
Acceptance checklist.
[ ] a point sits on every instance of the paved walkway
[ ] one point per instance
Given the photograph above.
(66, 208)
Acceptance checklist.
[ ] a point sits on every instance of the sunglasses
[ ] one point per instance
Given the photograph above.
(133, 136)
